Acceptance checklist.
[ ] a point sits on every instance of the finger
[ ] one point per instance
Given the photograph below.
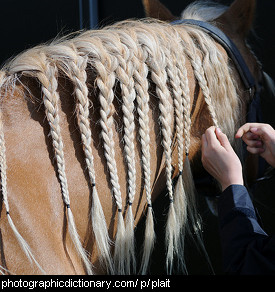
(254, 150)
(260, 131)
(222, 139)
(211, 137)
(246, 128)
(253, 143)
(250, 136)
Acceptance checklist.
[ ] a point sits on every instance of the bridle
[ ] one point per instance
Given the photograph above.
(247, 78)
(259, 91)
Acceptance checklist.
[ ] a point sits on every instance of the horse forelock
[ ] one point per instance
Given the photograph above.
(128, 52)
(203, 10)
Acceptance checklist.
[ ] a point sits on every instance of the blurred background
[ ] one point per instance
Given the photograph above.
(26, 23)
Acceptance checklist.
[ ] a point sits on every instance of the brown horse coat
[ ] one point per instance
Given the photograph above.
(51, 179)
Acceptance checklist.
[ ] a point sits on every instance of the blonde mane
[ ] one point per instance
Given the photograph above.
(129, 52)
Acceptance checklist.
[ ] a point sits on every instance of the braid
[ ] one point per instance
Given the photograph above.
(98, 219)
(142, 98)
(193, 53)
(75, 67)
(125, 73)
(105, 65)
(118, 45)
(178, 78)
(220, 83)
(2, 78)
(105, 83)
(159, 76)
(51, 99)
(186, 101)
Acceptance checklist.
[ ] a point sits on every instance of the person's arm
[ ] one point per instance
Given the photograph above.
(246, 248)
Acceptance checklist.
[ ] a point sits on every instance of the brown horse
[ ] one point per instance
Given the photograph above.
(96, 125)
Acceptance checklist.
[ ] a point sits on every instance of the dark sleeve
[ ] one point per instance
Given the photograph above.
(246, 248)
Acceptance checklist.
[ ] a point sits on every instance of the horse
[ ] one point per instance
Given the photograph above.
(97, 124)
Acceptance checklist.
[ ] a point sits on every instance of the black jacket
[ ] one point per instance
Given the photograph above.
(246, 248)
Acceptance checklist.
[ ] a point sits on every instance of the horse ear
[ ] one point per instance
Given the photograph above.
(240, 16)
(155, 9)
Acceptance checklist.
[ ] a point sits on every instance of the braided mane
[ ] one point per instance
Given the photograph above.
(133, 54)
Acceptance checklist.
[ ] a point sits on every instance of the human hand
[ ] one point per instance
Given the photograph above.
(219, 158)
(260, 139)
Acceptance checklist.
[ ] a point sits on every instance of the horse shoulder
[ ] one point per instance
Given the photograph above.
(34, 196)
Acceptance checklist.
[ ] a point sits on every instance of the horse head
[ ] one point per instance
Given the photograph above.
(235, 21)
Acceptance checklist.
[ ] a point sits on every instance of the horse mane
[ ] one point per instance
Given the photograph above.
(129, 52)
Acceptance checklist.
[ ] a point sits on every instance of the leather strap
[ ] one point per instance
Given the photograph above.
(228, 45)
